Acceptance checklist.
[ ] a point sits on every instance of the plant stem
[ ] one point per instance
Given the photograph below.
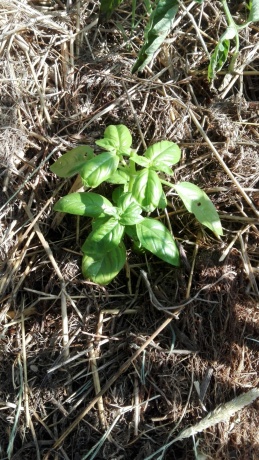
(229, 17)
(132, 172)
(166, 183)
(231, 23)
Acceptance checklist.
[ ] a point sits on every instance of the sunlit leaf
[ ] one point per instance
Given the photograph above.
(102, 270)
(159, 25)
(119, 177)
(156, 238)
(117, 138)
(254, 11)
(147, 189)
(99, 169)
(140, 160)
(198, 202)
(83, 204)
(163, 201)
(130, 210)
(71, 162)
(218, 58)
(163, 155)
(103, 238)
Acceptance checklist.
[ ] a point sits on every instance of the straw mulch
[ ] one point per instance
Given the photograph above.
(64, 340)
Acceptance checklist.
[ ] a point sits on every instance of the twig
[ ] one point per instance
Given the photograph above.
(94, 354)
(26, 387)
(106, 387)
(60, 276)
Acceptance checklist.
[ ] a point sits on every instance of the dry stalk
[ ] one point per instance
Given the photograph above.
(113, 379)
(136, 405)
(221, 161)
(60, 276)
(94, 355)
(26, 389)
(248, 267)
(221, 414)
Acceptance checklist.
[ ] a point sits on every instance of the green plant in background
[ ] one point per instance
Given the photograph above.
(220, 54)
(160, 24)
(139, 191)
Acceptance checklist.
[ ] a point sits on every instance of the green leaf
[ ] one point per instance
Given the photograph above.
(83, 204)
(140, 160)
(130, 210)
(254, 11)
(118, 138)
(155, 237)
(106, 144)
(147, 189)
(102, 270)
(99, 221)
(159, 25)
(163, 201)
(131, 231)
(162, 155)
(198, 202)
(99, 169)
(117, 192)
(119, 177)
(220, 54)
(71, 162)
(218, 58)
(103, 237)
(107, 7)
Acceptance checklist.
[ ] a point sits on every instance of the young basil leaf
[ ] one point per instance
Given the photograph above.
(125, 200)
(71, 162)
(162, 155)
(218, 58)
(155, 237)
(119, 177)
(99, 221)
(130, 210)
(254, 11)
(147, 189)
(132, 215)
(103, 237)
(106, 144)
(117, 137)
(83, 204)
(103, 269)
(131, 231)
(163, 201)
(140, 160)
(99, 169)
(117, 192)
(198, 202)
(111, 211)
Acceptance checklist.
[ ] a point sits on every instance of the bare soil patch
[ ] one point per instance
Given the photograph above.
(64, 78)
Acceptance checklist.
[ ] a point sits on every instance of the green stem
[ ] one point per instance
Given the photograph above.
(132, 172)
(230, 20)
(166, 183)
(231, 23)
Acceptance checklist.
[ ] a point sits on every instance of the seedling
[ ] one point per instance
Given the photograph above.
(139, 192)
(220, 54)
(160, 24)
